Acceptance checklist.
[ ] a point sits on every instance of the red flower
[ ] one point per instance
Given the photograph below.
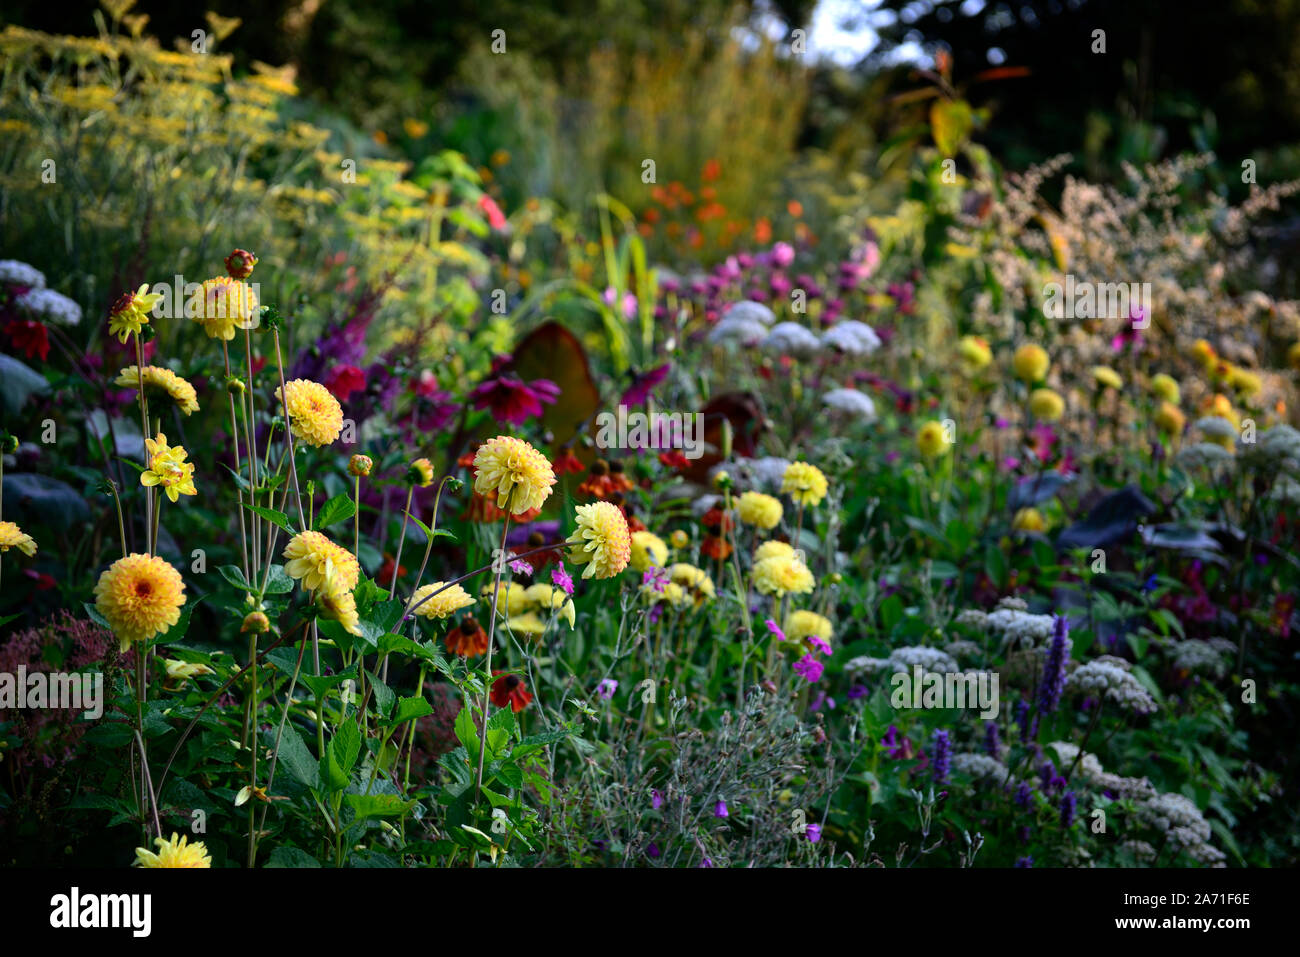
(567, 462)
(717, 520)
(512, 400)
(509, 689)
(343, 380)
(715, 547)
(496, 218)
(385, 574)
(29, 336)
(674, 459)
(43, 581)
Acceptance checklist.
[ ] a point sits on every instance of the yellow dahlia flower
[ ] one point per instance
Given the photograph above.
(130, 313)
(647, 549)
(783, 575)
(178, 852)
(1204, 353)
(1246, 383)
(804, 483)
(320, 564)
(168, 468)
(421, 473)
(1170, 419)
(1046, 405)
(1165, 387)
(139, 596)
(446, 602)
(550, 598)
(178, 672)
(11, 536)
(529, 623)
(672, 594)
(514, 470)
(601, 540)
(158, 382)
(974, 352)
(1221, 406)
(679, 539)
(800, 625)
(1029, 520)
(314, 414)
(339, 604)
(694, 580)
(510, 596)
(1030, 363)
(1107, 377)
(932, 439)
(761, 511)
(223, 305)
(773, 549)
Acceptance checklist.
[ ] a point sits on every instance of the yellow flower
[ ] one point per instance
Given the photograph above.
(1031, 363)
(1246, 383)
(601, 541)
(527, 624)
(131, 313)
(446, 602)
(340, 605)
(223, 305)
(974, 352)
(178, 672)
(800, 625)
(160, 381)
(168, 469)
(421, 473)
(1165, 387)
(510, 596)
(695, 580)
(515, 471)
(1106, 376)
(932, 439)
(1170, 419)
(11, 536)
(762, 511)
(782, 575)
(773, 549)
(178, 852)
(359, 466)
(139, 596)
(320, 564)
(1204, 353)
(679, 539)
(1029, 520)
(1293, 356)
(550, 598)
(673, 593)
(647, 549)
(1220, 405)
(804, 483)
(314, 414)
(1046, 405)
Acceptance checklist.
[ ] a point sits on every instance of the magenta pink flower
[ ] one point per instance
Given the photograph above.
(561, 580)
(809, 668)
(512, 400)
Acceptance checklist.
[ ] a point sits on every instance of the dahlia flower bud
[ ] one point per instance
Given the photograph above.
(360, 465)
(256, 622)
(240, 263)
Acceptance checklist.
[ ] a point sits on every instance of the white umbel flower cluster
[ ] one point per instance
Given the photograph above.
(13, 272)
(791, 339)
(1194, 655)
(1187, 829)
(1020, 628)
(1098, 777)
(1108, 680)
(1276, 449)
(53, 307)
(763, 474)
(748, 310)
(1203, 455)
(902, 659)
(1216, 427)
(857, 404)
(978, 766)
(851, 337)
(742, 331)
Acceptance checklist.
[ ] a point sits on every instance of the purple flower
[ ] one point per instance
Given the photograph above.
(809, 668)
(992, 740)
(775, 629)
(652, 850)
(942, 745)
(1049, 691)
(1024, 796)
(655, 577)
(1025, 862)
(521, 567)
(857, 691)
(561, 580)
(642, 385)
(512, 400)
(720, 809)
(656, 799)
(782, 254)
(1068, 804)
(707, 862)
(606, 689)
(813, 832)
(820, 644)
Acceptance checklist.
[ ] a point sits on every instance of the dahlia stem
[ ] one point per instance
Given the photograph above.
(144, 428)
(356, 520)
(140, 694)
(117, 502)
(234, 435)
(288, 437)
(252, 445)
(284, 715)
(252, 739)
(410, 735)
(401, 540)
(499, 562)
(428, 547)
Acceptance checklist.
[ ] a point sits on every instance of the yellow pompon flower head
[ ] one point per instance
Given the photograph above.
(130, 313)
(1170, 419)
(314, 414)
(168, 469)
(338, 604)
(773, 549)
(804, 483)
(1030, 363)
(549, 598)
(223, 305)
(974, 352)
(695, 581)
(11, 536)
(601, 541)
(320, 564)
(932, 439)
(647, 549)
(177, 852)
(510, 597)
(1106, 377)
(801, 625)
(783, 575)
(1029, 520)
(139, 596)
(1166, 387)
(761, 511)
(159, 382)
(1246, 383)
(672, 594)
(516, 472)
(1046, 405)
(446, 602)
(529, 623)
(420, 473)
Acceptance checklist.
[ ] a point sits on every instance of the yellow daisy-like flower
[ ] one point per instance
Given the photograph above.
(178, 672)
(510, 596)
(1165, 387)
(801, 625)
(1107, 377)
(601, 540)
(1046, 405)
(1246, 383)
(1204, 353)
(549, 598)
(804, 483)
(314, 414)
(139, 596)
(340, 605)
(515, 471)
(932, 439)
(320, 564)
(421, 473)
(761, 511)
(647, 549)
(773, 549)
(529, 623)
(168, 469)
(178, 852)
(1029, 520)
(974, 352)
(1170, 419)
(447, 602)
(223, 305)
(130, 313)
(783, 575)
(1030, 363)
(1221, 406)
(672, 594)
(11, 536)
(159, 381)
(694, 580)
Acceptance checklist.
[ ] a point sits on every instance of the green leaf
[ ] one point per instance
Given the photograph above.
(295, 757)
(384, 696)
(234, 575)
(346, 746)
(278, 581)
(951, 122)
(466, 732)
(377, 805)
(408, 709)
(288, 856)
(275, 517)
(336, 510)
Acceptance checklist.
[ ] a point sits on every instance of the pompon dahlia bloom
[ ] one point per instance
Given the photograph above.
(161, 382)
(139, 596)
(1031, 363)
(801, 625)
(223, 305)
(177, 852)
(314, 414)
(601, 540)
(1106, 377)
(1170, 419)
(320, 564)
(761, 511)
(517, 473)
(932, 440)
(773, 549)
(1165, 387)
(338, 604)
(446, 602)
(695, 580)
(974, 352)
(11, 536)
(548, 598)
(783, 575)
(168, 469)
(647, 549)
(1046, 405)
(804, 483)
(510, 597)
(1029, 520)
(130, 313)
